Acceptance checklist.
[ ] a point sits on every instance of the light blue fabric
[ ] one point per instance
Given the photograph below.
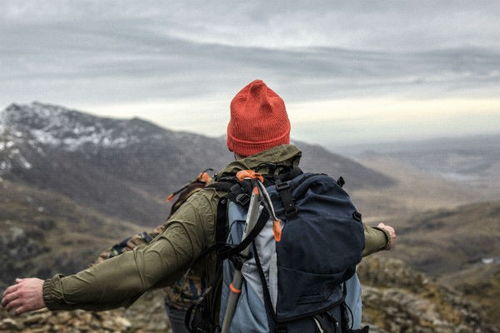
(353, 300)
(250, 315)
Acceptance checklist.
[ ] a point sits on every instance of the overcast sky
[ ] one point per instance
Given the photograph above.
(350, 72)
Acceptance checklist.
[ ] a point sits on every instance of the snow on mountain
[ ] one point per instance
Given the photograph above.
(35, 127)
(68, 129)
(10, 138)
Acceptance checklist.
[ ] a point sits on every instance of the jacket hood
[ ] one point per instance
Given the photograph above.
(282, 156)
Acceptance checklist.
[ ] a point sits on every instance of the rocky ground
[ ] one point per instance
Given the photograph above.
(146, 315)
(396, 299)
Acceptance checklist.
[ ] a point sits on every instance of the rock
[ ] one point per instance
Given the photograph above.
(399, 299)
(9, 324)
(66, 321)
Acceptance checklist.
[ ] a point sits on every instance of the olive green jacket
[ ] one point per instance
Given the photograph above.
(191, 229)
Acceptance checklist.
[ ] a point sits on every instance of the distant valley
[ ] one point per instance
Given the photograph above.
(473, 161)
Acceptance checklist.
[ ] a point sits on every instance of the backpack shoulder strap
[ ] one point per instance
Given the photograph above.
(201, 315)
(221, 222)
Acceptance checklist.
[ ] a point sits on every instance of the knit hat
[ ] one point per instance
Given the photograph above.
(258, 120)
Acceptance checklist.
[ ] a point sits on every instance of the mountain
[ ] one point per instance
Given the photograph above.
(125, 167)
(122, 168)
(316, 158)
(460, 247)
(449, 240)
(43, 233)
(473, 161)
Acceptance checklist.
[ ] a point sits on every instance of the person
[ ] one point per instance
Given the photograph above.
(258, 133)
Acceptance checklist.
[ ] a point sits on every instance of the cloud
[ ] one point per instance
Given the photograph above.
(112, 65)
(358, 24)
(118, 54)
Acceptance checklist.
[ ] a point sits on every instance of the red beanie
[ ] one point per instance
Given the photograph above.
(258, 120)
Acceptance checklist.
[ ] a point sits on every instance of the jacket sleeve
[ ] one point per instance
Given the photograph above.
(376, 239)
(122, 279)
(128, 244)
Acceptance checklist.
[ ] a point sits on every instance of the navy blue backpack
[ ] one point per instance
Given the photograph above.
(292, 263)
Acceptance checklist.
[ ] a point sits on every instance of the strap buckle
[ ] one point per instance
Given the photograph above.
(282, 186)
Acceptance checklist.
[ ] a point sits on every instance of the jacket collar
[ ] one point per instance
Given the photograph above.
(284, 155)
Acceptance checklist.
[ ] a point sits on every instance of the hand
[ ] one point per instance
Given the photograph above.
(26, 295)
(392, 233)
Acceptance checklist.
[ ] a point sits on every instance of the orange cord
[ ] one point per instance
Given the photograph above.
(204, 177)
(234, 290)
(241, 175)
(277, 230)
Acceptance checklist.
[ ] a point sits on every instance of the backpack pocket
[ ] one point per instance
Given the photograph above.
(301, 293)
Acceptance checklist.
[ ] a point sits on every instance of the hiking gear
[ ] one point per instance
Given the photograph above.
(293, 279)
(189, 232)
(202, 180)
(235, 286)
(260, 106)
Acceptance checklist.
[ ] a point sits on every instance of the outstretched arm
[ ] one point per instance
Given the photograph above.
(381, 237)
(113, 283)
(122, 279)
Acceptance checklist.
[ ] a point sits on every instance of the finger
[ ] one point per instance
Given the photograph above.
(11, 289)
(19, 280)
(14, 304)
(9, 298)
(21, 309)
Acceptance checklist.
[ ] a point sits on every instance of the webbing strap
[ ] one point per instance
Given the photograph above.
(223, 250)
(221, 222)
(235, 250)
(220, 232)
(287, 199)
(224, 186)
(294, 172)
(201, 315)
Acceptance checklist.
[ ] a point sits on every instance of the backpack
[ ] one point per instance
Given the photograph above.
(282, 259)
